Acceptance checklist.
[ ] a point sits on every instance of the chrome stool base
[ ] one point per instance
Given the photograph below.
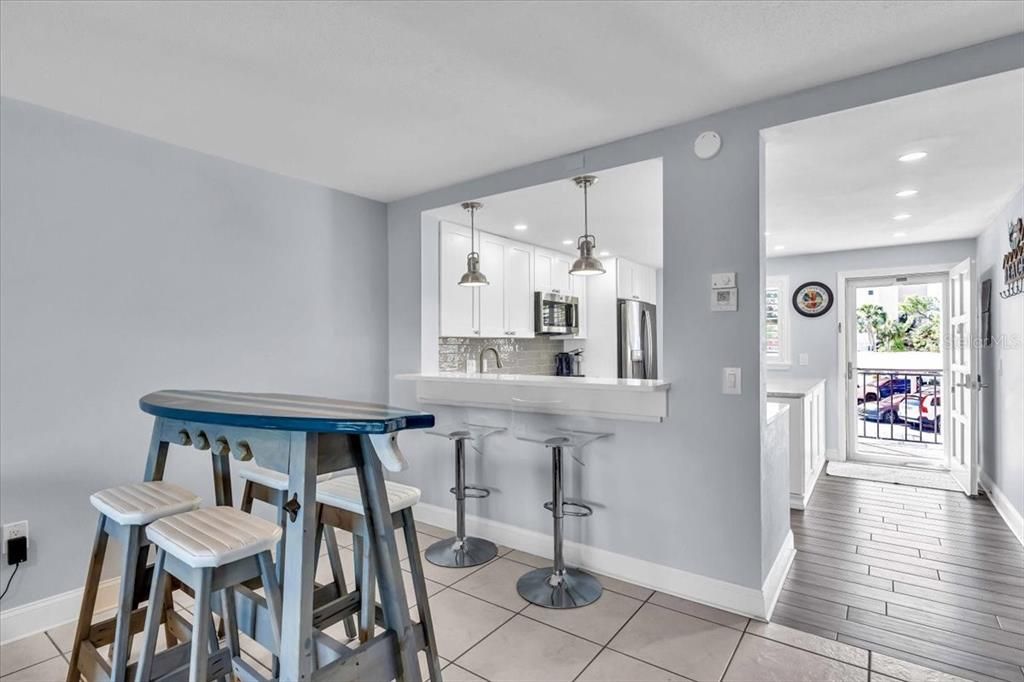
(572, 589)
(451, 553)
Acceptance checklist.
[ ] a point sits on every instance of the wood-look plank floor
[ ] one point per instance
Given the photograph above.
(928, 576)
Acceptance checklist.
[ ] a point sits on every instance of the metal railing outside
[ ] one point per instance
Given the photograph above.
(900, 405)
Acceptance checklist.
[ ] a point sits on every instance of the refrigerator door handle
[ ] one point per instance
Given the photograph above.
(645, 342)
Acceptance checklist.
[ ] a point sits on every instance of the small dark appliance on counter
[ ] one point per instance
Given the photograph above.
(569, 364)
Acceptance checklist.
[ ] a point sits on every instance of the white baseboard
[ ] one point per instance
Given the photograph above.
(798, 501)
(833, 456)
(45, 614)
(1013, 518)
(772, 587)
(747, 601)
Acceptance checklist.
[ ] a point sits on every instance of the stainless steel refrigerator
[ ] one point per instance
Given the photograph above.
(638, 341)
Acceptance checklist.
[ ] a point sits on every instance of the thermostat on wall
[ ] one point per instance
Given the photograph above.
(707, 144)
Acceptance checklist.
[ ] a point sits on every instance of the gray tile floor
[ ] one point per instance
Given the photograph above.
(924, 575)
(632, 634)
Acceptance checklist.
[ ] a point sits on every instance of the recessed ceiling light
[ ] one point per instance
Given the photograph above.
(780, 247)
(520, 227)
(604, 253)
(913, 156)
(568, 242)
(903, 193)
(899, 234)
(901, 216)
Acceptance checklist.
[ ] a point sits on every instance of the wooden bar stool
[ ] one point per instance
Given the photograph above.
(271, 487)
(125, 512)
(212, 549)
(341, 506)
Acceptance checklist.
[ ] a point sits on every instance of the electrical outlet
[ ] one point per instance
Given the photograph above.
(18, 529)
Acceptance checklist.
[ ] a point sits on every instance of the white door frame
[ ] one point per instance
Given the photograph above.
(847, 407)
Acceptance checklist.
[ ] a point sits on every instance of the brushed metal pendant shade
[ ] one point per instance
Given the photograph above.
(587, 264)
(473, 277)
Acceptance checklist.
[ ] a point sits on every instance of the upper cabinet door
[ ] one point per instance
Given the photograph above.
(560, 277)
(492, 296)
(625, 279)
(648, 284)
(519, 285)
(579, 290)
(458, 305)
(542, 266)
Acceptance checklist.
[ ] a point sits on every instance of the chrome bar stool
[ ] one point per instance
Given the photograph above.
(341, 506)
(125, 512)
(462, 550)
(557, 586)
(212, 549)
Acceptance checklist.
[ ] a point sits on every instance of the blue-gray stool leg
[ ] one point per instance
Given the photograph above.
(419, 585)
(559, 587)
(157, 594)
(122, 637)
(381, 534)
(199, 659)
(92, 584)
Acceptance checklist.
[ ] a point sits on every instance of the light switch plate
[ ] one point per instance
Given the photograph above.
(804, 359)
(732, 383)
(723, 280)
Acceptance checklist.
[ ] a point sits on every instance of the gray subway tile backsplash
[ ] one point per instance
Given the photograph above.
(518, 356)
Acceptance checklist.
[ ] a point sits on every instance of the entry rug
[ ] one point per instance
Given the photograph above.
(885, 474)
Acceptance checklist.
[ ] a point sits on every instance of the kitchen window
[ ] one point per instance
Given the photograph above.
(776, 321)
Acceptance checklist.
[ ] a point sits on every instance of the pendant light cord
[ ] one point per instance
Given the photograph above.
(586, 221)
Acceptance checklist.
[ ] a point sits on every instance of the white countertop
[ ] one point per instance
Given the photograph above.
(595, 383)
(792, 388)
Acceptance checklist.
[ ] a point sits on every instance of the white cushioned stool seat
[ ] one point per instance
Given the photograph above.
(140, 503)
(343, 492)
(274, 479)
(213, 536)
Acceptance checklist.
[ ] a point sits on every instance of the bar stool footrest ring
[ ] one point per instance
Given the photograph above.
(577, 509)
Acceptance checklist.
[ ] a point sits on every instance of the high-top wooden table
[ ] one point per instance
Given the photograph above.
(303, 436)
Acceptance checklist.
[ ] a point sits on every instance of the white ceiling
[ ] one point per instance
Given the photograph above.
(625, 213)
(389, 99)
(831, 181)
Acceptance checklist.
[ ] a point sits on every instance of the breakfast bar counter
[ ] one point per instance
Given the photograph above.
(621, 399)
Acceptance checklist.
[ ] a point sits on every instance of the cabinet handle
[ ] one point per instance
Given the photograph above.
(557, 291)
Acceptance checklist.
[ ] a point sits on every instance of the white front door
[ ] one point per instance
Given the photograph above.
(961, 408)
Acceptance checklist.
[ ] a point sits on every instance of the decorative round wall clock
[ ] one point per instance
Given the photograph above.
(812, 299)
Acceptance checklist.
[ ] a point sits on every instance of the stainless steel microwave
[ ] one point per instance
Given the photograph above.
(555, 313)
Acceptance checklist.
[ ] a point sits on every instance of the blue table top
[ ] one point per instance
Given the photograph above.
(282, 412)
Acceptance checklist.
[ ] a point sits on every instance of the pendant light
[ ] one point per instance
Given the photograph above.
(473, 276)
(586, 264)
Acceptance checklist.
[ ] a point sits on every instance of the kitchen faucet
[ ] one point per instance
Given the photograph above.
(497, 357)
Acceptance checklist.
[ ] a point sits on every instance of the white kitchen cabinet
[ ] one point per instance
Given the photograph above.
(551, 272)
(578, 287)
(506, 305)
(806, 400)
(543, 262)
(492, 297)
(459, 306)
(519, 286)
(635, 281)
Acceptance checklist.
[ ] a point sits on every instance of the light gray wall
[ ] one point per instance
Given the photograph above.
(685, 493)
(817, 336)
(129, 265)
(1002, 366)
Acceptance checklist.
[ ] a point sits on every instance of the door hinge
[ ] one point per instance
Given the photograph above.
(849, 370)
